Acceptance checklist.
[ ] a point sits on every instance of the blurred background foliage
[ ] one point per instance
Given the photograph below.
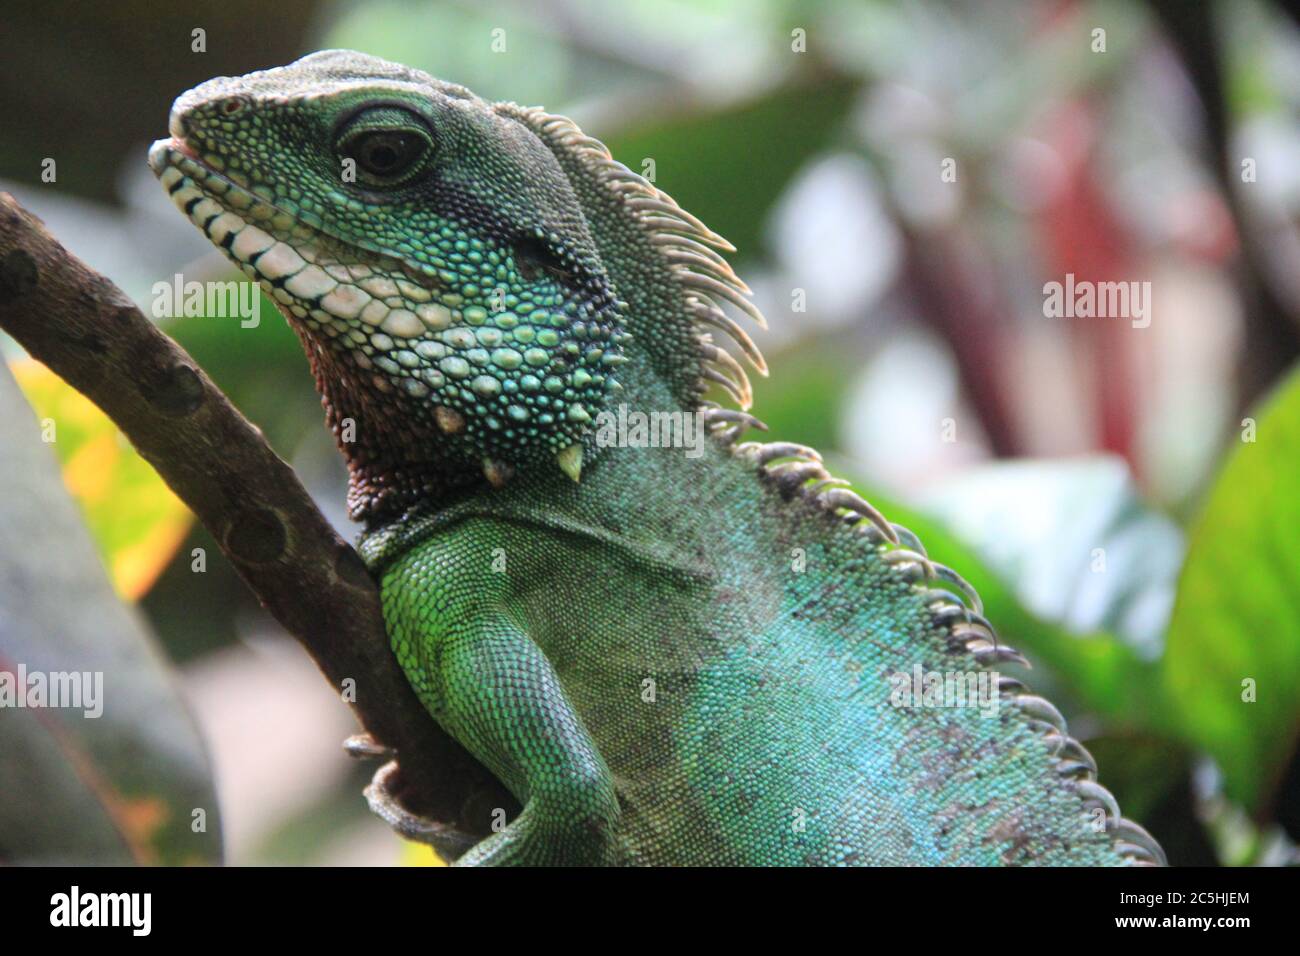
(1124, 499)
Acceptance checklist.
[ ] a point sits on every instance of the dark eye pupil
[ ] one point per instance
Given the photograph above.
(387, 153)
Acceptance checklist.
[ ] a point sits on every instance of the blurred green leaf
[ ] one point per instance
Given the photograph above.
(120, 787)
(1234, 618)
(813, 374)
(1140, 770)
(695, 154)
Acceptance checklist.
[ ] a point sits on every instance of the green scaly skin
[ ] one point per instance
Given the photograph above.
(667, 659)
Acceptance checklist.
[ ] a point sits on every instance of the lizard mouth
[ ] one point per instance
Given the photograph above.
(205, 192)
(176, 144)
(368, 303)
(269, 241)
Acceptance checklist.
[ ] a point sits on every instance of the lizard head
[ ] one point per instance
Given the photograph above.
(429, 252)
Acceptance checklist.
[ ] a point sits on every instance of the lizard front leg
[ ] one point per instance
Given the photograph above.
(490, 686)
(504, 703)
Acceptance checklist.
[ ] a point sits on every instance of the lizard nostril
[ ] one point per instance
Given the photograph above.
(232, 105)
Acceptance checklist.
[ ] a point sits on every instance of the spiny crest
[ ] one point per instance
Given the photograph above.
(706, 281)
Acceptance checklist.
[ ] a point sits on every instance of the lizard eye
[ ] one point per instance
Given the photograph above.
(387, 144)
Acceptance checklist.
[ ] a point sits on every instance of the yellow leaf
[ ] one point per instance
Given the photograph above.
(135, 519)
(420, 854)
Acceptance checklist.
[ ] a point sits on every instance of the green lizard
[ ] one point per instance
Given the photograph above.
(669, 655)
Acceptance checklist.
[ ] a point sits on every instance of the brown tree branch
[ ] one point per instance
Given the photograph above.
(1272, 337)
(87, 331)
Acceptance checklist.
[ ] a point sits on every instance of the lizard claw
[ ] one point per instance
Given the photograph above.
(387, 807)
(366, 747)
